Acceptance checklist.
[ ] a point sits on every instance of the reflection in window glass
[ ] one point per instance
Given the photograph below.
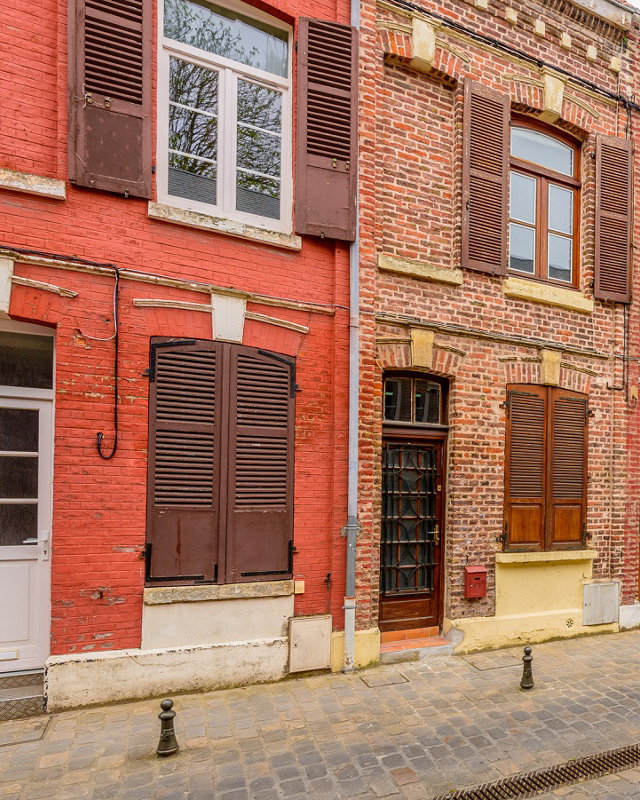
(397, 399)
(522, 198)
(560, 209)
(26, 360)
(228, 34)
(541, 149)
(560, 253)
(522, 243)
(427, 402)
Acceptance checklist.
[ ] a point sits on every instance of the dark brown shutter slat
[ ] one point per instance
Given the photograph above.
(110, 95)
(485, 179)
(326, 172)
(260, 496)
(568, 445)
(185, 444)
(525, 468)
(614, 207)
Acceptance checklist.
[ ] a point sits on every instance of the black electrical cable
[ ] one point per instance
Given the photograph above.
(480, 37)
(100, 436)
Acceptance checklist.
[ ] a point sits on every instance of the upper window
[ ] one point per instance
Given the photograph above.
(543, 207)
(415, 400)
(224, 113)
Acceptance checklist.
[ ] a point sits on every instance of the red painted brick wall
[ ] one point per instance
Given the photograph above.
(99, 506)
(411, 171)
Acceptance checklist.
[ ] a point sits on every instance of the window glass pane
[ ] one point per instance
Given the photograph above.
(193, 86)
(228, 34)
(542, 149)
(192, 133)
(397, 399)
(259, 106)
(560, 209)
(18, 523)
(192, 178)
(522, 244)
(522, 198)
(258, 195)
(427, 402)
(560, 252)
(19, 476)
(26, 360)
(18, 429)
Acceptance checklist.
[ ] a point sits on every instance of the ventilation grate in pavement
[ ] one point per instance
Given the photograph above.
(529, 784)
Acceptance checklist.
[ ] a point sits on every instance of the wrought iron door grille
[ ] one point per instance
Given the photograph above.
(409, 519)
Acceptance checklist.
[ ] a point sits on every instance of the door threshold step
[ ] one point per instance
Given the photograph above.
(414, 649)
(26, 678)
(21, 707)
(21, 695)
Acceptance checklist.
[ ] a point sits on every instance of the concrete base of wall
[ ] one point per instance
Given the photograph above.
(630, 616)
(89, 679)
(491, 633)
(367, 648)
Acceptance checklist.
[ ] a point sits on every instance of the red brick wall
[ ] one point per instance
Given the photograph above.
(99, 506)
(410, 168)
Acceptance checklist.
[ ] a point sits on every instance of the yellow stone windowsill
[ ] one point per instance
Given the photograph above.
(539, 557)
(160, 595)
(571, 299)
(419, 269)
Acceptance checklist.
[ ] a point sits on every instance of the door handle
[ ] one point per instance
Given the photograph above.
(44, 541)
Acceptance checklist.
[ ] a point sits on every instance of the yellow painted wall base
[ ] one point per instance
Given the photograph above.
(367, 648)
(538, 597)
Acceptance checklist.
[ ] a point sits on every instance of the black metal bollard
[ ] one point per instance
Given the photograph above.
(168, 743)
(527, 674)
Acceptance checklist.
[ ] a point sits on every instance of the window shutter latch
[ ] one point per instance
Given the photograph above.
(502, 538)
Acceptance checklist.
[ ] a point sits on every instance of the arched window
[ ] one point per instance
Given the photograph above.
(544, 205)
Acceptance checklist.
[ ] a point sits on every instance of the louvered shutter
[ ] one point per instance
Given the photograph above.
(184, 461)
(525, 468)
(567, 501)
(326, 172)
(260, 495)
(485, 179)
(110, 95)
(614, 205)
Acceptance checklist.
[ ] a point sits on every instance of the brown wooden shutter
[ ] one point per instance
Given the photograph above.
(260, 494)
(110, 95)
(568, 475)
(614, 207)
(184, 458)
(326, 179)
(485, 179)
(525, 468)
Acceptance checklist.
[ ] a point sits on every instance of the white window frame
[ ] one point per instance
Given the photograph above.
(229, 71)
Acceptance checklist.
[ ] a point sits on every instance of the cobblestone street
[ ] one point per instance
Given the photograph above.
(414, 730)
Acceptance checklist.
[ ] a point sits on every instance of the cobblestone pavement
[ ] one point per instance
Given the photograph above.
(405, 731)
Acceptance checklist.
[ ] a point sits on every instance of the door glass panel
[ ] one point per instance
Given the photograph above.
(17, 523)
(18, 430)
(19, 477)
(397, 399)
(541, 149)
(560, 209)
(26, 360)
(522, 244)
(560, 252)
(522, 198)
(427, 402)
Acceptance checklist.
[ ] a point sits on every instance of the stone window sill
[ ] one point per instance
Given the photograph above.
(206, 222)
(32, 184)
(161, 595)
(419, 269)
(551, 295)
(543, 557)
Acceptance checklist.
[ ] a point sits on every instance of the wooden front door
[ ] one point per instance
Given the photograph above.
(410, 553)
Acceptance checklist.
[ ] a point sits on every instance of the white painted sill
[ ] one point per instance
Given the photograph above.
(207, 222)
(162, 595)
(544, 557)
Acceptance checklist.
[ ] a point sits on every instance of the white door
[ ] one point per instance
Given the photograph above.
(26, 445)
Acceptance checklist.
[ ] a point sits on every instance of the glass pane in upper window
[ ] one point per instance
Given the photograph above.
(228, 34)
(259, 106)
(560, 257)
(192, 133)
(542, 149)
(427, 401)
(193, 86)
(522, 198)
(397, 399)
(26, 360)
(522, 247)
(560, 209)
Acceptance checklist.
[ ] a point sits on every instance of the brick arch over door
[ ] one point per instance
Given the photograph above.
(397, 355)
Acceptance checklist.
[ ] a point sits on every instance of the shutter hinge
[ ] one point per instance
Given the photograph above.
(585, 535)
(502, 538)
(291, 362)
(292, 551)
(151, 371)
(506, 405)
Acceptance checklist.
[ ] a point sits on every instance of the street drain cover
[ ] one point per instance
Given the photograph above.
(386, 678)
(529, 784)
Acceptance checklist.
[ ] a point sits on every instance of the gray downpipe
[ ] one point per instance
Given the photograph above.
(351, 528)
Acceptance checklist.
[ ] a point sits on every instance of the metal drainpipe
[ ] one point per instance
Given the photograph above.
(351, 528)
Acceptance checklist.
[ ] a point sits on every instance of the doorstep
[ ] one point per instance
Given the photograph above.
(412, 644)
(21, 695)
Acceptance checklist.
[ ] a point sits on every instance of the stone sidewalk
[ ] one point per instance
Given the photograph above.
(412, 730)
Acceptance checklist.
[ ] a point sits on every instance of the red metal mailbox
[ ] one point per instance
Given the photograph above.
(475, 581)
